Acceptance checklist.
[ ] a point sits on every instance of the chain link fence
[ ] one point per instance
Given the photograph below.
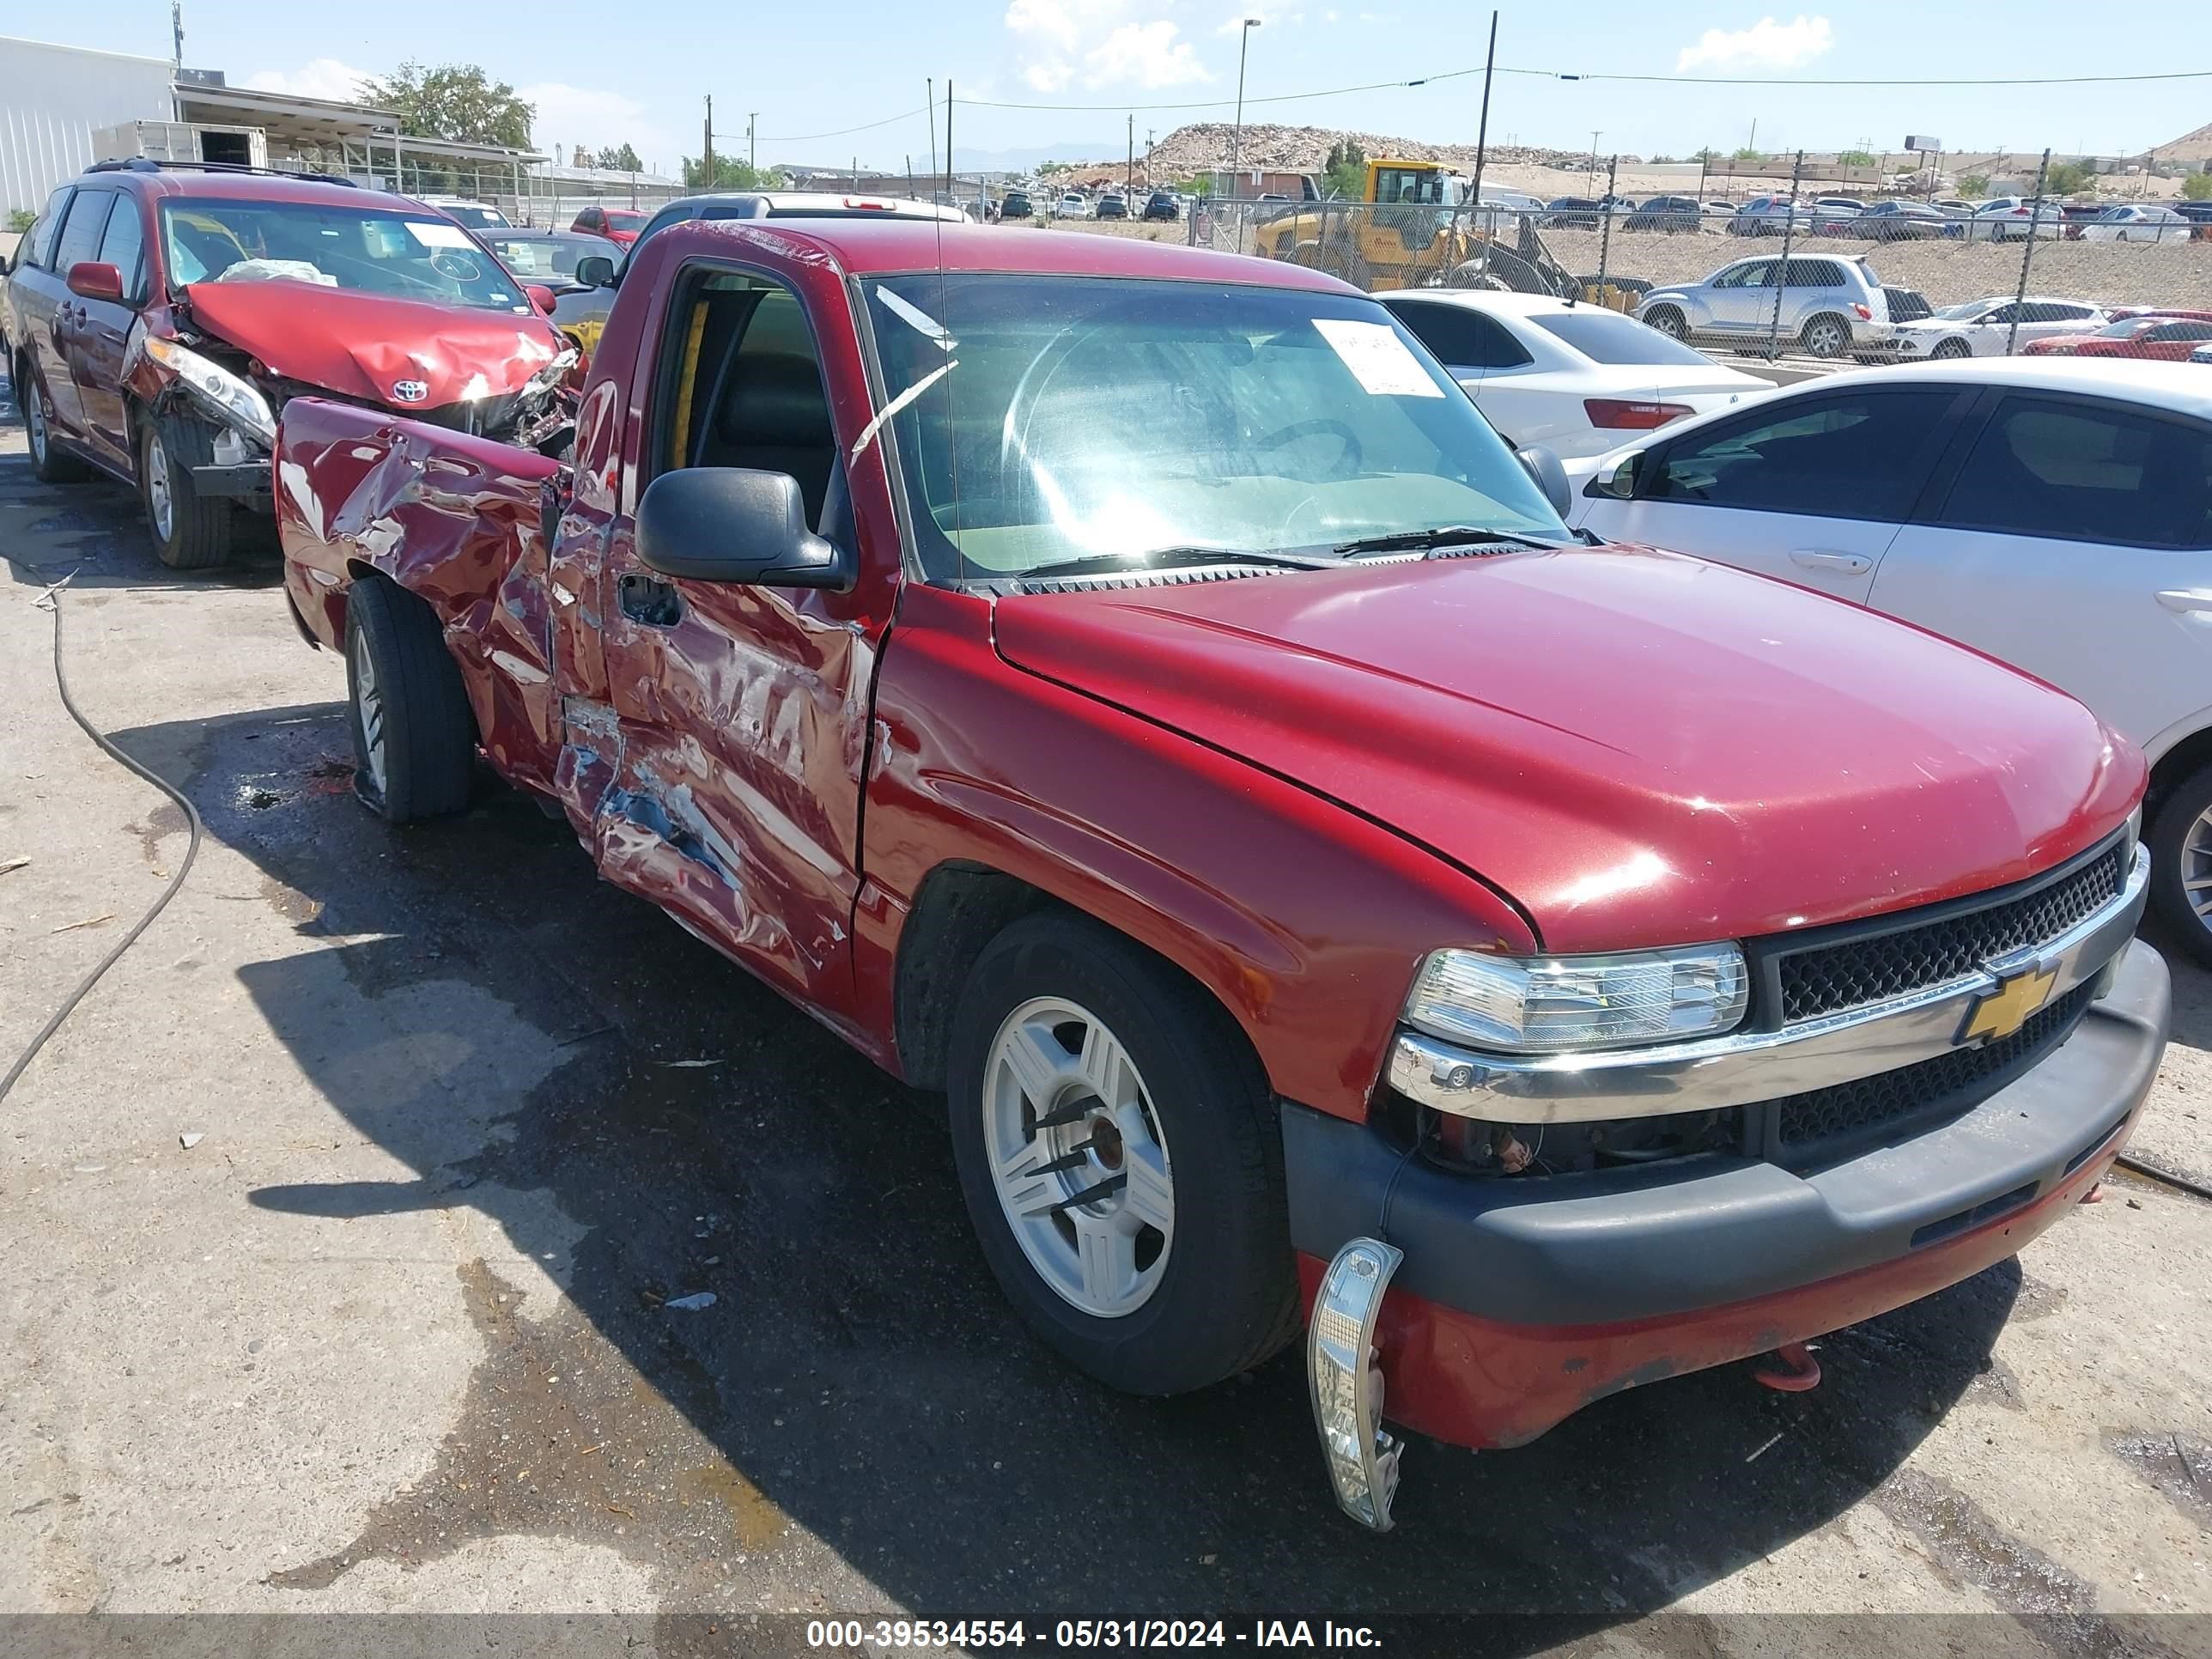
(536, 196)
(1788, 271)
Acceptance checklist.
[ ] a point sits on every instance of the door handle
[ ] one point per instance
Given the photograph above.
(2183, 599)
(1814, 558)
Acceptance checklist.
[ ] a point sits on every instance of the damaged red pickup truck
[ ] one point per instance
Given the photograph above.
(1131, 690)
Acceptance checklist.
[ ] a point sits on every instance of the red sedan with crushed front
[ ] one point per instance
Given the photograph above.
(1131, 690)
(163, 313)
(2162, 336)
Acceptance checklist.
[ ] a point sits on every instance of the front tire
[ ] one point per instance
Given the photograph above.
(414, 737)
(2181, 863)
(192, 531)
(1668, 321)
(1117, 1146)
(1951, 349)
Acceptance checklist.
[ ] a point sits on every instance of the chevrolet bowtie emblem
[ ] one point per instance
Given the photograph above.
(2001, 1013)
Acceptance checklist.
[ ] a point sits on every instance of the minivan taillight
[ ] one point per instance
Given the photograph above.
(1620, 413)
(1865, 316)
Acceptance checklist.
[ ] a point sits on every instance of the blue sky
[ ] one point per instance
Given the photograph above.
(636, 70)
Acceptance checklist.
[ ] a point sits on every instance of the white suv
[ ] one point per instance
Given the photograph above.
(1985, 328)
(1830, 307)
(2054, 512)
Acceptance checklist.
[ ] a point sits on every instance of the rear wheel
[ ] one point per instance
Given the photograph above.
(1117, 1146)
(1950, 349)
(414, 737)
(192, 531)
(48, 463)
(1826, 336)
(1668, 321)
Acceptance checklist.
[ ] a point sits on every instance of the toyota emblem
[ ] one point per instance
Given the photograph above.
(411, 391)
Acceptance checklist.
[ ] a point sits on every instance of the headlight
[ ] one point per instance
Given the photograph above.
(554, 373)
(224, 392)
(1555, 1005)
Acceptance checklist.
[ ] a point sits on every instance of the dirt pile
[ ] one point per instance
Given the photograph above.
(1206, 144)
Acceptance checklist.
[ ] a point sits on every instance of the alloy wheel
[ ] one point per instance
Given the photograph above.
(1078, 1159)
(159, 507)
(1825, 340)
(34, 417)
(2197, 868)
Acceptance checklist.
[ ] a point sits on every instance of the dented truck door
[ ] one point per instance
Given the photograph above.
(723, 776)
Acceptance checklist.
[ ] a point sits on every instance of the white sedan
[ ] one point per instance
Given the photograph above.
(2137, 223)
(1576, 378)
(1985, 328)
(1071, 206)
(2009, 218)
(2056, 513)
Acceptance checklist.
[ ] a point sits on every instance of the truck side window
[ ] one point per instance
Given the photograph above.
(746, 388)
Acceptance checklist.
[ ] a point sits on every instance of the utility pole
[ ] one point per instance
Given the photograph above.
(931, 82)
(176, 31)
(948, 143)
(1594, 136)
(1237, 142)
(752, 143)
(1129, 171)
(706, 148)
(1482, 131)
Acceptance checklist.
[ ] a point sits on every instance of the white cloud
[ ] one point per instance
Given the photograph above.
(1145, 55)
(1766, 44)
(569, 115)
(322, 78)
(1058, 39)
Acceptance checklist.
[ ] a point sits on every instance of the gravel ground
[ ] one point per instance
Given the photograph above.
(340, 1222)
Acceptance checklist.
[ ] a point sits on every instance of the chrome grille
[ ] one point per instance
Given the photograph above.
(1876, 966)
(1948, 1083)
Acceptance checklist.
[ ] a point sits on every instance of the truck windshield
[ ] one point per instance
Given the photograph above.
(1042, 419)
(405, 255)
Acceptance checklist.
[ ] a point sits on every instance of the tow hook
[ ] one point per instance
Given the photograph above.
(1344, 1376)
(1797, 1373)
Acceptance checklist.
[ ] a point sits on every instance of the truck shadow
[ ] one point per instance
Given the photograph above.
(512, 1031)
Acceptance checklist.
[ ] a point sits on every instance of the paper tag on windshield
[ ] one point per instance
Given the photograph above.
(437, 235)
(1377, 358)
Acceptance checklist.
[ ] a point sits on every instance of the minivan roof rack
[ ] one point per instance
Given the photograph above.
(149, 164)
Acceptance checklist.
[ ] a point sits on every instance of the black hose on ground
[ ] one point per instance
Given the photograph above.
(2163, 1177)
(78, 992)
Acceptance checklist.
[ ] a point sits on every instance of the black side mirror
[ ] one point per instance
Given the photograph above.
(733, 524)
(595, 270)
(1551, 478)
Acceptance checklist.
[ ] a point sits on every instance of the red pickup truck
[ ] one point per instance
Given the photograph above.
(1131, 690)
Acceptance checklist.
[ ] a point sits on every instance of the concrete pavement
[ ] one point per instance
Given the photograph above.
(391, 1336)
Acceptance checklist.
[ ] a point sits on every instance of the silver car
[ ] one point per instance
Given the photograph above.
(1830, 307)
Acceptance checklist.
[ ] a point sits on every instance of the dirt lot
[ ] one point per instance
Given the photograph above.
(390, 1338)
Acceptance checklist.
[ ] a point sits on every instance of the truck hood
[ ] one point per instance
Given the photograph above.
(1637, 748)
(360, 345)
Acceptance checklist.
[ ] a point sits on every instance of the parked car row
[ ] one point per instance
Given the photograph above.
(1325, 840)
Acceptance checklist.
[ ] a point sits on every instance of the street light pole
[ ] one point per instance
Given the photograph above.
(1237, 142)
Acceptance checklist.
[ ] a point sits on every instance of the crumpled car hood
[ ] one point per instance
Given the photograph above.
(1639, 749)
(360, 345)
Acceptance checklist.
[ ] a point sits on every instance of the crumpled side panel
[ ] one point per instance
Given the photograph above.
(451, 518)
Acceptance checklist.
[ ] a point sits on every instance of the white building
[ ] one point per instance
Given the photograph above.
(56, 98)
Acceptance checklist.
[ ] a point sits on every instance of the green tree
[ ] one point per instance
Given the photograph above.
(21, 220)
(1707, 154)
(1747, 154)
(623, 158)
(731, 172)
(1344, 173)
(1855, 158)
(1974, 183)
(2067, 177)
(457, 101)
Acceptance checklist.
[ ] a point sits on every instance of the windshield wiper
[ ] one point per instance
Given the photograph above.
(1454, 535)
(1160, 558)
